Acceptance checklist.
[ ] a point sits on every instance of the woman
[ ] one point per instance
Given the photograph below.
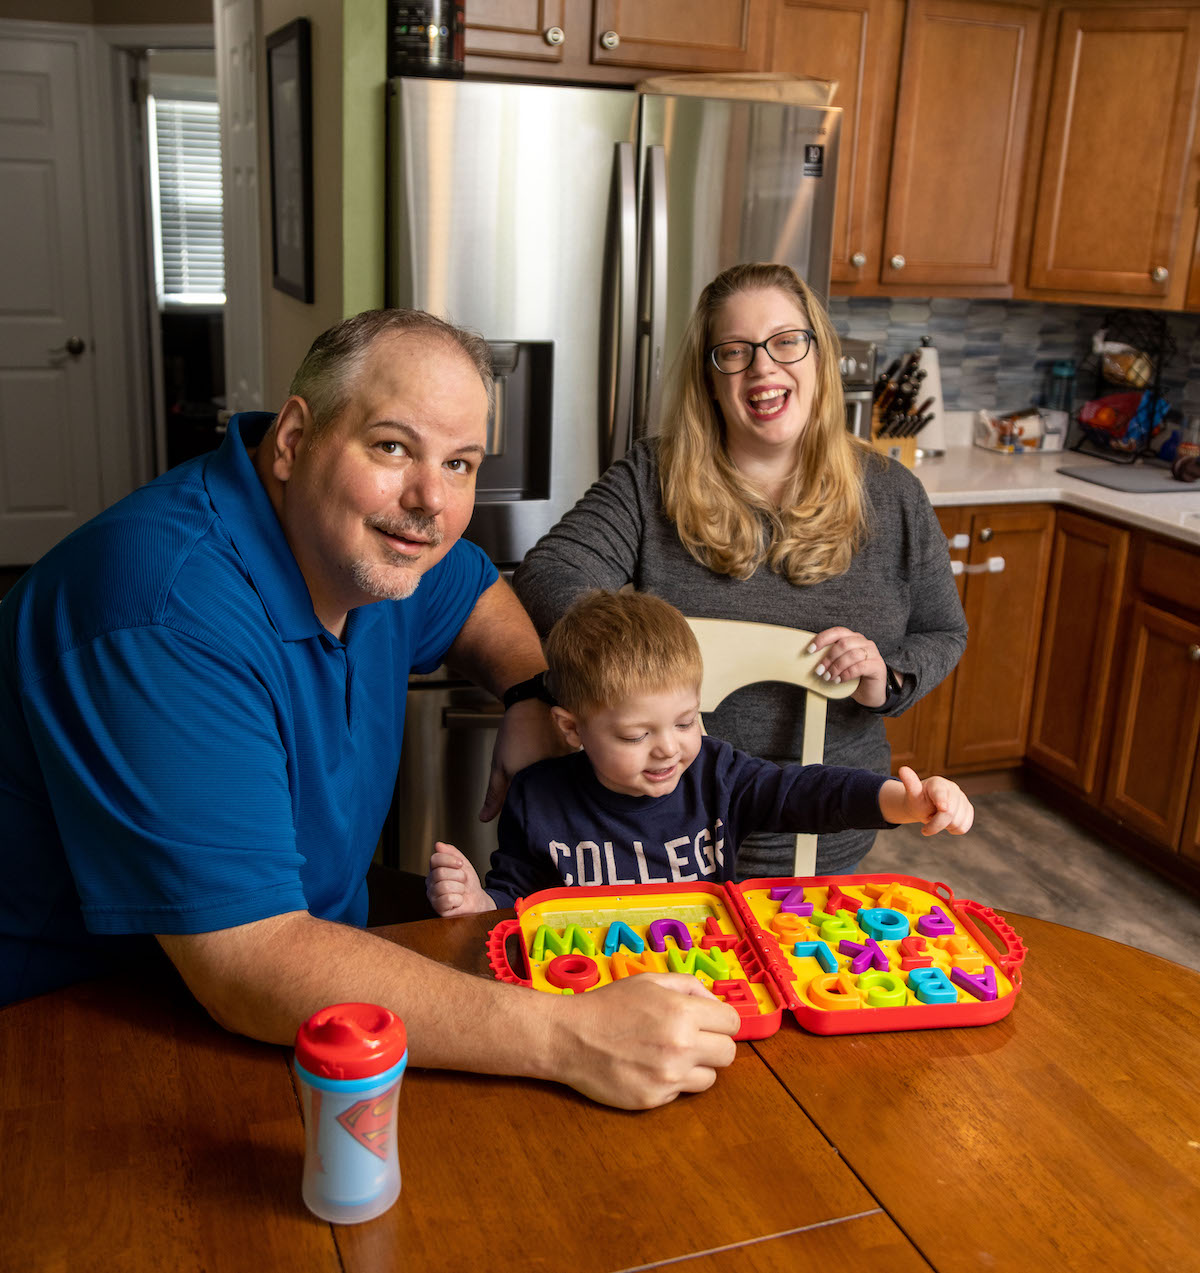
(756, 503)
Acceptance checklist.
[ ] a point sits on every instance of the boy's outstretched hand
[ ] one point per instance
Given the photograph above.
(452, 885)
(937, 803)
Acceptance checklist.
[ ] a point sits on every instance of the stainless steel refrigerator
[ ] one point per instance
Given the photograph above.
(574, 228)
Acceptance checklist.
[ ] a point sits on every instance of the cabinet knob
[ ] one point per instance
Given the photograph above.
(858, 260)
(1194, 653)
(553, 35)
(609, 40)
(1160, 274)
(985, 535)
(897, 262)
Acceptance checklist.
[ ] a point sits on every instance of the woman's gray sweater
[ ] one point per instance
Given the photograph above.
(899, 591)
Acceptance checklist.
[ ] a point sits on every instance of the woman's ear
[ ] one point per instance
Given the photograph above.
(568, 726)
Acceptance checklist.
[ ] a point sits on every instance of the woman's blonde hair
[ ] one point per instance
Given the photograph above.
(724, 521)
(609, 646)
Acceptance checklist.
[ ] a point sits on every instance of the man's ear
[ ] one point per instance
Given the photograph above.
(293, 426)
(568, 726)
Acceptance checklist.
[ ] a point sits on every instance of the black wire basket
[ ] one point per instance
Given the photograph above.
(1126, 409)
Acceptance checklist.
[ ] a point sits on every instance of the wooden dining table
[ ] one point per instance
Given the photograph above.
(136, 1135)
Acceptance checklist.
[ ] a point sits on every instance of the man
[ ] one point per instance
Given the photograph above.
(201, 706)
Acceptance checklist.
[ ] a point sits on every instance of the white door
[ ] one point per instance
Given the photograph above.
(238, 96)
(49, 449)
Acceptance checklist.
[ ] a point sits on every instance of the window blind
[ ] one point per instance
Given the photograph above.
(185, 164)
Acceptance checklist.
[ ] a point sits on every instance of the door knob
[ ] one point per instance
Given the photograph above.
(858, 260)
(897, 262)
(609, 40)
(553, 35)
(74, 346)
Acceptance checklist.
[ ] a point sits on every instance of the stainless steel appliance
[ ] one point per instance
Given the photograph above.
(574, 228)
(858, 384)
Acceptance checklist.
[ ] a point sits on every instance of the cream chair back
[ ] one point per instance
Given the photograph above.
(737, 654)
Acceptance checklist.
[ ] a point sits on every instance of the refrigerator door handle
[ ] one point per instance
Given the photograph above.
(619, 308)
(652, 293)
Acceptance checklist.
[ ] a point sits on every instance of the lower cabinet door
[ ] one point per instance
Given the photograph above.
(1006, 567)
(1153, 752)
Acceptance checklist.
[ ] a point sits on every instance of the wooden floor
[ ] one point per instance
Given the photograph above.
(1021, 855)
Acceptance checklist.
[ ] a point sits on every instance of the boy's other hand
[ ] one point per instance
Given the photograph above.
(452, 884)
(937, 803)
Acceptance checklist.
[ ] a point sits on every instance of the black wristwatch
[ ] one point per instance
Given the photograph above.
(894, 689)
(535, 687)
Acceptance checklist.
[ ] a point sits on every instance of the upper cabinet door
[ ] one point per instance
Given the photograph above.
(962, 115)
(1118, 143)
(685, 35)
(857, 43)
(516, 28)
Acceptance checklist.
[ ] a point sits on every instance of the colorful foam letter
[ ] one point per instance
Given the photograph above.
(623, 965)
(737, 994)
(571, 938)
(936, 924)
(910, 956)
(791, 900)
(884, 989)
(835, 991)
(572, 972)
(836, 900)
(882, 923)
(620, 934)
(870, 955)
(819, 951)
(712, 962)
(931, 985)
(714, 937)
(661, 929)
(982, 987)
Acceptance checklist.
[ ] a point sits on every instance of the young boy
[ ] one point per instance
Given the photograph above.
(649, 798)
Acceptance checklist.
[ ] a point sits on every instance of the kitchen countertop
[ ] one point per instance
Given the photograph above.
(971, 475)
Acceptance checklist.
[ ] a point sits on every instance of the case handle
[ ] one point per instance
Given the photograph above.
(498, 954)
(1014, 949)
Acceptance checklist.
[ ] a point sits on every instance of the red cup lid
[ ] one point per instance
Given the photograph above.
(351, 1041)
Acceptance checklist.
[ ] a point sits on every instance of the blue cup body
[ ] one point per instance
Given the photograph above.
(351, 1168)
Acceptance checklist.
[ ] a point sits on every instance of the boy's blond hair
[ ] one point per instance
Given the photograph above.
(611, 645)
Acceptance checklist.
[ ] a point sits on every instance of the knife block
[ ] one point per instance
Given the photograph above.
(902, 450)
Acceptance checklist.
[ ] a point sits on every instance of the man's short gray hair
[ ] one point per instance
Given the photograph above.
(327, 376)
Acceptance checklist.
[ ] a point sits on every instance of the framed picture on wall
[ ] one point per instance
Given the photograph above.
(289, 102)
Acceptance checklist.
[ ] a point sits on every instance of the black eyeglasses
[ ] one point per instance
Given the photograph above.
(732, 356)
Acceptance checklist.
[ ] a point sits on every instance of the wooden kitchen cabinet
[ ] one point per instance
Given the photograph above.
(962, 114)
(533, 29)
(857, 43)
(1079, 635)
(616, 41)
(1153, 758)
(1111, 195)
(1007, 566)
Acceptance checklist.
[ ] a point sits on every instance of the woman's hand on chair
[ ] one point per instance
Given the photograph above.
(847, 654)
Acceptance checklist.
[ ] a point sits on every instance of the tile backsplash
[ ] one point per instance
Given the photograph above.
(995, 354)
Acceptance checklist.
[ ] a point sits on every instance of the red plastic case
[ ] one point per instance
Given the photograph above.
(914, 957)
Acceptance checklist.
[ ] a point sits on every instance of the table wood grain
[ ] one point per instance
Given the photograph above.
(138, 1135)
(505, 1173)
(1066, 1136)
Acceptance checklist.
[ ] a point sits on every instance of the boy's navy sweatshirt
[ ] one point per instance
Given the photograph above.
(559, 825)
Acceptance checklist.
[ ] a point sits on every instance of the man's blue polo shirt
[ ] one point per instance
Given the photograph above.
(183, 746)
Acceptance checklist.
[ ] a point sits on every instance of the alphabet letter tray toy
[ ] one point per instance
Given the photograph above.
(845, 954)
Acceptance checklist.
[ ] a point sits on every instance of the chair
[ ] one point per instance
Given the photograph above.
(737, 654)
